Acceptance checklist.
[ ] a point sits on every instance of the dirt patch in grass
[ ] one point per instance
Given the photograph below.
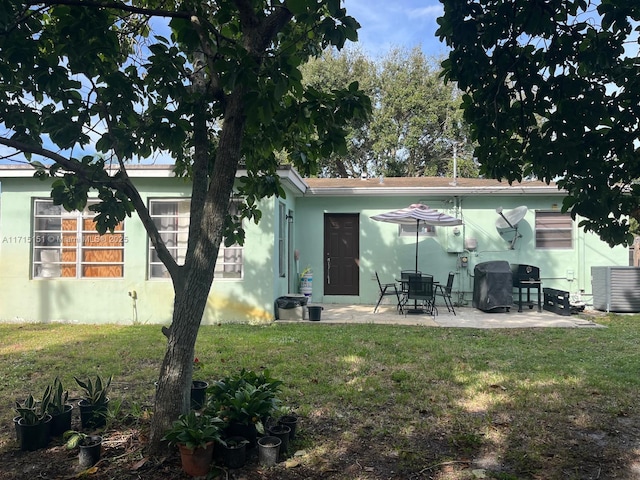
(329, 448)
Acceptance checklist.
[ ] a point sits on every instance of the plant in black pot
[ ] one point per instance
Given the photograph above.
(93, 407)
(243, 401)
(285, 416)
(33, 422)
(90, 447)
(59, 409)
(198, 388)
(195, 435)
(234, 451)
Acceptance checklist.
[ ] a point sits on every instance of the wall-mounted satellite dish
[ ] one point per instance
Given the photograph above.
(508, 222)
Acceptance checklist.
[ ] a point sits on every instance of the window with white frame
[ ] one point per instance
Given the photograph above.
(409, 230)
(171, 217)
(554, 230)
(66, 244)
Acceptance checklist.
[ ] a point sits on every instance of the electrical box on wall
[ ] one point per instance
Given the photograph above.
(455, 242)
(463, 261)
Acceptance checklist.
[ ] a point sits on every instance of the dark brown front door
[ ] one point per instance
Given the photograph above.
(341, 254)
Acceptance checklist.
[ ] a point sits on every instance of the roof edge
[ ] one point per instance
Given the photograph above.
(444, 191)
(288, 175)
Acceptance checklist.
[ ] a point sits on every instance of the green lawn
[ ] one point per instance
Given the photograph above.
(397, 401)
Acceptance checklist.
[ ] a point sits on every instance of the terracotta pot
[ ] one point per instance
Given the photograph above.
(196, 462)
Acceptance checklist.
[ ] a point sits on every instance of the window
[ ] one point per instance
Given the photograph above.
(554, 230)
(282, 228)
(171, 217)
(409, 230)
(66, 244)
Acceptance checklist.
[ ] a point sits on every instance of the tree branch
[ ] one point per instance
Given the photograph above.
(152, 12)
(214, 82)
(120, 182)
(260, 34)
(125, 185)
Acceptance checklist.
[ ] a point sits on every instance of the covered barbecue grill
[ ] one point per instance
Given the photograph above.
(492, 286)
(526, 277)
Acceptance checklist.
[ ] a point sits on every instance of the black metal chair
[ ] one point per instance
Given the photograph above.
(421, 290)
(404, 281)
(386, 290)
(444, 291)
(404, 274)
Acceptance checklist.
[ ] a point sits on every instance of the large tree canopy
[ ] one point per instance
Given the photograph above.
(417, 123)
(553, 91)
(336, 70)
(416, 120)
(211, 85)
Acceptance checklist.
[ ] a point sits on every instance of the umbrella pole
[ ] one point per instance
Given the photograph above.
(417, 229)
(415, 301)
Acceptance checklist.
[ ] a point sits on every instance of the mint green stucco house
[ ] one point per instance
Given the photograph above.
(54, 267)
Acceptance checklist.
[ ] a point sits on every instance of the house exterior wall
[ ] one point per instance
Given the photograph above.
(251, 299)
(108, 300)
(384, 251)
(287, 283)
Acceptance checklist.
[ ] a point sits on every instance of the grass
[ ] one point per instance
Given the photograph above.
(536, 403)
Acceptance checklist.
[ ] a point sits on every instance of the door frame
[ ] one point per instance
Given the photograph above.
(347, 271)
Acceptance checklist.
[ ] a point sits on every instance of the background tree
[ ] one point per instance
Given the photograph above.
(89, 86)
(335, 70)
(553, 91)
(416, 118)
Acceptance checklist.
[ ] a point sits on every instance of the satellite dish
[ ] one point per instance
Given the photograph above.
(508, 222)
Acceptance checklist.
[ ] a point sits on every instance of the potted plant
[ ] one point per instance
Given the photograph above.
(33, 422)
(198, 388)
(289, 419)
(90, 446)
(59, 409)
(244, 402)
(306, 278)
(234, 451)
(268, 450)
(195, 435)
(93, 407)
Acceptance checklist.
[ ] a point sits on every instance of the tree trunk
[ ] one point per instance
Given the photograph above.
(193, 282)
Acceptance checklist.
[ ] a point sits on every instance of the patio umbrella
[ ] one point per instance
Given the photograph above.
(415, 214)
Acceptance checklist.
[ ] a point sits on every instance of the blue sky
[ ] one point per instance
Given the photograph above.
(405, 23)
(388, 23)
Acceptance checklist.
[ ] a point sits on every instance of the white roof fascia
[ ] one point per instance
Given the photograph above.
(134, 171)
(16, 171)
(288, 175)
(434, 191)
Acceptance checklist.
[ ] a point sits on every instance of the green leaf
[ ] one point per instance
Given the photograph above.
(297, 7)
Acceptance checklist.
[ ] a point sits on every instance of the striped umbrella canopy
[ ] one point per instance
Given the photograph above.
(415, 214)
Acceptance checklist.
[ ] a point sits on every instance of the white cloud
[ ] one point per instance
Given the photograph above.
(388, 24)
(432, 11)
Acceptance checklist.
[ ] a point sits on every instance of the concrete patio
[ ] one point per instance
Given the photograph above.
(466, 317)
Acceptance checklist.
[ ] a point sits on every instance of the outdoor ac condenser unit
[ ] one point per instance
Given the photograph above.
(615, 289)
